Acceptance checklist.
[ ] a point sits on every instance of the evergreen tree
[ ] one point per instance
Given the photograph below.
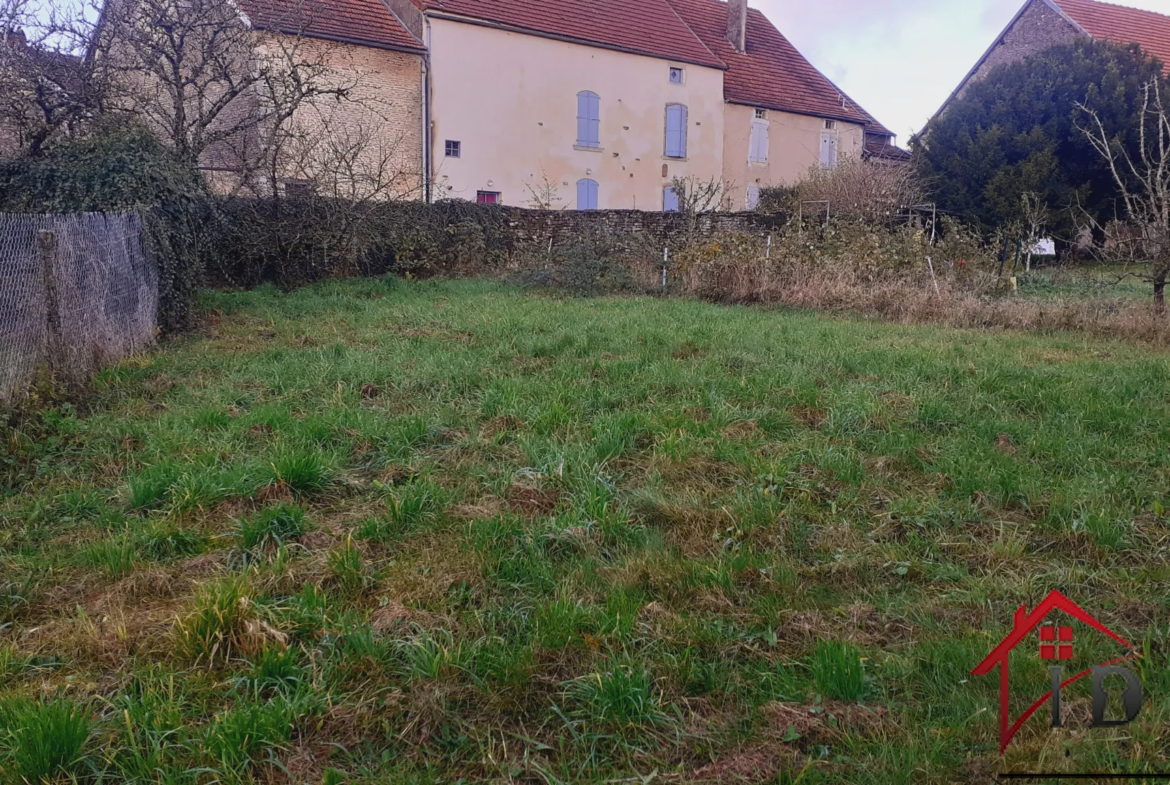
(1019, 130)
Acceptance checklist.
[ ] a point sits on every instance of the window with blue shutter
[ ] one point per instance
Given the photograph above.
(586, 194)
(669, 199)
(588, 119)
(676, 131)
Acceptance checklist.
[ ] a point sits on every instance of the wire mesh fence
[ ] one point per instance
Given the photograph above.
(76, 292)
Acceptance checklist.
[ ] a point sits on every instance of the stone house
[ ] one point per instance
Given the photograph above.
(1041, 24)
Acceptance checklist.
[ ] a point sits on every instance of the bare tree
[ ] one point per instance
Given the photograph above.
(48, 89)
(871, 191)
(544, 194)
(1143, 180)
(1034, 218)
(213, 87)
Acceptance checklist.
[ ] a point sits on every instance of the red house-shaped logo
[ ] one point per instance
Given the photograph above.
(1056, 644)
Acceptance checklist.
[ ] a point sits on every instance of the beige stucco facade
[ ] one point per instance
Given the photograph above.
(370, 142)
(510, 101)
(794, 146)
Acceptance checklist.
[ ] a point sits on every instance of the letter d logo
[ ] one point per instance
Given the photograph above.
(1131, 699)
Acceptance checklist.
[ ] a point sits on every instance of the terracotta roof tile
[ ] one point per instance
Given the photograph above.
(648, 27)
(367, 22)
(772, 74)
(1122, 25)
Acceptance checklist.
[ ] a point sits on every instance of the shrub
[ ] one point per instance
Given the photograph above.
(125, 169)
(45, 740)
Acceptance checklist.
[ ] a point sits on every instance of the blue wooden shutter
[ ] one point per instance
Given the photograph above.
(669, 199)
(676, 131)
(586, 194)
(588, 119)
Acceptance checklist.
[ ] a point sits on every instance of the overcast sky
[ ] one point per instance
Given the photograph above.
(900, 59)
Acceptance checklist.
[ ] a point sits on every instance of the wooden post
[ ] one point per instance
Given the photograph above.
(47, 254)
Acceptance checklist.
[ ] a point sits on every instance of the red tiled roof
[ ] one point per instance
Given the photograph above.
(364, 22)
(772, 74)
(879, 147)
(1122, 25)
(649, 27)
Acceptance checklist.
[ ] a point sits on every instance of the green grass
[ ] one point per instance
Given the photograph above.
(432, 532)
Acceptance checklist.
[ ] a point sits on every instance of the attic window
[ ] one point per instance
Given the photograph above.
(676, 75)
(761, 114)
(830, 125)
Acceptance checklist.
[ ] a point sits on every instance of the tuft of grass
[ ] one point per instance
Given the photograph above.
(116, 558)
(838, 671)
(408, 509)
(621, 696)
(14, 598)
(217, 629)
(305, 472)
(163, 540)
(45, 740)
(152, 486)
(277, 525)
(273, 670)
(345, 567)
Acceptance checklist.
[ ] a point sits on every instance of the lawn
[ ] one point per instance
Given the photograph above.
(440, 532)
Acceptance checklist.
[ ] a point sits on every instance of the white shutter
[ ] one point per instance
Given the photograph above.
(753, 197)
(676, 131)
(758, 148)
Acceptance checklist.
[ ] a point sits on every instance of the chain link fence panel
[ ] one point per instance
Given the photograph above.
(77, 292)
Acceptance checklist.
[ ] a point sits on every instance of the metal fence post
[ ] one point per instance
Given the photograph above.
(47, 254)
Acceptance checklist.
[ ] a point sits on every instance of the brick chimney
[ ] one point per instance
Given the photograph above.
(737, 24)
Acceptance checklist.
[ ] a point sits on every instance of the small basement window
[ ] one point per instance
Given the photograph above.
(676, 75)
(453, 149)
(487, 197)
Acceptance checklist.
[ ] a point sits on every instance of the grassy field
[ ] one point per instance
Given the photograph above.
(379, 531)
(1086, 283)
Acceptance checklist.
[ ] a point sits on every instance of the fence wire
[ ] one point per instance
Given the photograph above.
(76, 292)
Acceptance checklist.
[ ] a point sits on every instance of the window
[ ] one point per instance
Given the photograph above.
(753, 197)
(453, 149)
(829, 150)
(676, 131)
(676, 75)
(758, 148)
(670, 200)
(586, 194)
(487, 197)
(830, 125)
(761, 114)
(588, 119)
